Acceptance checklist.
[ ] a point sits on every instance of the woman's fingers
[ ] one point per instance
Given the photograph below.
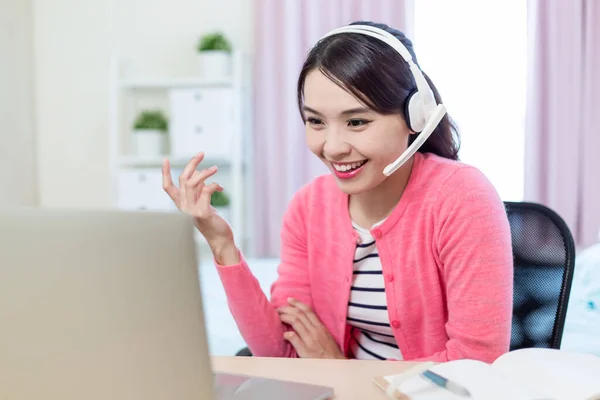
(187, 173)
(296, 341)
(308, 312)
(200, 177)
(190, 168)
(194, 185)
(168, 186)
(300, 325)
(298, 320)
(204, 200)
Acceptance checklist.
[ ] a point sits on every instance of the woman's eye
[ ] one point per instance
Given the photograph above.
(314, 121)
(357, 122)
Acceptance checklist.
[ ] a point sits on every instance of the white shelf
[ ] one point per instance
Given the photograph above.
(136, 181)
(168, 83)
(137, 162)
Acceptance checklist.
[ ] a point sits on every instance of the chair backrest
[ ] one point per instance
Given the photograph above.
(544, 261)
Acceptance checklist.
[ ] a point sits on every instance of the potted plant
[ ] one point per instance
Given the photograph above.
(150, 133)
(220, 201)
(214, 55)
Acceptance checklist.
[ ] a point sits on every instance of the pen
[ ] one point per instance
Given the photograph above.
(449, 385)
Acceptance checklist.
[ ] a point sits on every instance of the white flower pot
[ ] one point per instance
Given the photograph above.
(149, 143)
(214, 64)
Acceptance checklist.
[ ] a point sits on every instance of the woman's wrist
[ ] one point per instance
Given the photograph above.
(225, 253)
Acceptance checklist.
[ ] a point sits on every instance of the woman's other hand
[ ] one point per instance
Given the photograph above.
(309, 336)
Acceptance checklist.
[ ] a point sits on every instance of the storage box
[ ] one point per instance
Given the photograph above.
(201, 120)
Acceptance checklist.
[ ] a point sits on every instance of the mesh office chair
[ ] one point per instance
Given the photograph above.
(544, 262)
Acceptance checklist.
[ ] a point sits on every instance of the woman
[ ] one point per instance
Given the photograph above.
(416, 265)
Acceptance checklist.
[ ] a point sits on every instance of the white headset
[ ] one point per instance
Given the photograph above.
(422, 113)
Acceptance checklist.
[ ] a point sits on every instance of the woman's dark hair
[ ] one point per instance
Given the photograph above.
(376, 74)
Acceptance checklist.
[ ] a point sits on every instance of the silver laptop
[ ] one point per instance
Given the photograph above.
(101, 305)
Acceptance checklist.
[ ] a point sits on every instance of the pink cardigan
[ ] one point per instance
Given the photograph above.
(446, 257)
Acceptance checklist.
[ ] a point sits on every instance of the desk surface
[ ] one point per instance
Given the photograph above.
(351, 379)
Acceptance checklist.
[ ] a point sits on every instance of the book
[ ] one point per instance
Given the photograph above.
(525, 374)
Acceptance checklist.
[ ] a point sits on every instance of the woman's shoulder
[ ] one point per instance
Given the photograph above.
(456, 188)
(453, 177)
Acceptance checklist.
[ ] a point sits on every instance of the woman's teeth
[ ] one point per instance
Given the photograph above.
(349, 167)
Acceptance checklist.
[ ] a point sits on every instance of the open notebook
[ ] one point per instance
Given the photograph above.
(527, 374)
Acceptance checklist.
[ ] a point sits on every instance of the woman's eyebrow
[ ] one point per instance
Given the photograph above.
(356, 110)
(312, 110)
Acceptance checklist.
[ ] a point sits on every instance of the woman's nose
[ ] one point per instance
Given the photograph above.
(335, 145)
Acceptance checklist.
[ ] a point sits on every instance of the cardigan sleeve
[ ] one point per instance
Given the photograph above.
(255, 315)
(475, 253)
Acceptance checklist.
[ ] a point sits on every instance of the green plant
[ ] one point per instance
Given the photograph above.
(151, 119)
(219, 199)
(214, 41)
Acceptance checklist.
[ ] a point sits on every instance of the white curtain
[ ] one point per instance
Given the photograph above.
(563, 134)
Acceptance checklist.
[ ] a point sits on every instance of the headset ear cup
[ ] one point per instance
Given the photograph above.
(414, 112)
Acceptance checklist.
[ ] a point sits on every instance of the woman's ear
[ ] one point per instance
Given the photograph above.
(404, 128)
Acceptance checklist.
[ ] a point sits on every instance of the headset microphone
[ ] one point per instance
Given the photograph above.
(432, 123)
(423, 114)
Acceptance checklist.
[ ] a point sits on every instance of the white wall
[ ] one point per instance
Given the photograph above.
(73, 43)
(17, 136)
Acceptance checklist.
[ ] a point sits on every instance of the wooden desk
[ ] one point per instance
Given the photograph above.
(351, 379)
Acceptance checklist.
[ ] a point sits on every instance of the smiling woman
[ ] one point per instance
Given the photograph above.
(413, 264)
(371, 86)
(342, 93)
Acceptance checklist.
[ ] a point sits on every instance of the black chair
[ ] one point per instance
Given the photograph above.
(544, 262)
(245, 352)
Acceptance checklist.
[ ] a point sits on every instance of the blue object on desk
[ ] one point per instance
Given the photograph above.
(445, 383)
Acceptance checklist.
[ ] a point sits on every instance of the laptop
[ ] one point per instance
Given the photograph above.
(101, 305)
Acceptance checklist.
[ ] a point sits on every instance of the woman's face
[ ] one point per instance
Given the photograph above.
(355, 142)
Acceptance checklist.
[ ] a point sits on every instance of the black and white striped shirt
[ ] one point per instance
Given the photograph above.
(372, 336)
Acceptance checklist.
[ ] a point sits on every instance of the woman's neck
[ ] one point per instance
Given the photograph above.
(366, 209)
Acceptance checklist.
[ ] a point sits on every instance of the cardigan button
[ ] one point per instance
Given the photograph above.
(395, 324)
(377, 233)
(389, 277)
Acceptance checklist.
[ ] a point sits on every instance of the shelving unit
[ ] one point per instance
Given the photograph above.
(135, 181)
(132, 161)
(170, 83)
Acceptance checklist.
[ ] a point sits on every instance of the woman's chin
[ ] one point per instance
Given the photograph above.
(352, 186)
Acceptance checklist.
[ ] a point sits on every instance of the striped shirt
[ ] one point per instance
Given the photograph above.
(372, 336)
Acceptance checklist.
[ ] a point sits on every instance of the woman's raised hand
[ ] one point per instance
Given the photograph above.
(193, 198)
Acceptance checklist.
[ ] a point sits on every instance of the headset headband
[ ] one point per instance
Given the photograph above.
(386, 37)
